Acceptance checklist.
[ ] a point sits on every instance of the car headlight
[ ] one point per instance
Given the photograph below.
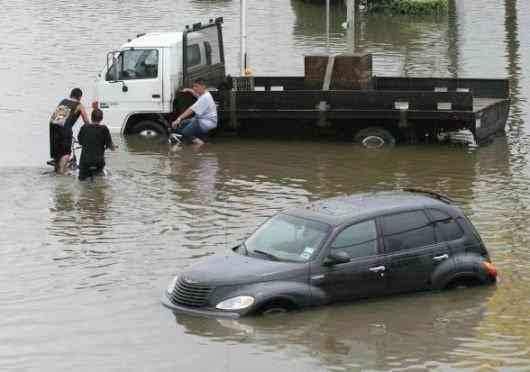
(236, 303)
(171, 286)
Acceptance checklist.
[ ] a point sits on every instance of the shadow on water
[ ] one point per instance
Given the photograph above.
(421, 330)
(513, 69)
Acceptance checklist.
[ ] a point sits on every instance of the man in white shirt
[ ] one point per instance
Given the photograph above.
(205, 118)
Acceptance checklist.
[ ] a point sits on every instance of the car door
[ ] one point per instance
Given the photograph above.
(363, 276)
(412, 249)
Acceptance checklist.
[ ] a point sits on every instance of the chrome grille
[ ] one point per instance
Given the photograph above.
(190, 294)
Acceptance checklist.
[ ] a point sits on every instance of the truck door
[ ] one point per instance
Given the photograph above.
(133, 83)
(203, 54)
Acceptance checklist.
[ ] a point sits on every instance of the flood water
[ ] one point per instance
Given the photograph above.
(83, 264)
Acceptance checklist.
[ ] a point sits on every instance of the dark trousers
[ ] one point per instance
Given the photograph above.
(90, 170)
(60, 142)
(191, 129)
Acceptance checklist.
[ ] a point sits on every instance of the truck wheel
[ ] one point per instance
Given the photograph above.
(374, 138)
(149, 129)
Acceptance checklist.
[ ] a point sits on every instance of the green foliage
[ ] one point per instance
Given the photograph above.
(408, 7)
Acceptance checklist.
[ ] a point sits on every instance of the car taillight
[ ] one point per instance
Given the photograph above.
(490, 269)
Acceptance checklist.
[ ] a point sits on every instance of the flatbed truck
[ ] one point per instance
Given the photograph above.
(140, 92)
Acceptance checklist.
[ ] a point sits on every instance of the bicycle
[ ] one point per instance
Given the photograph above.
(72, 162)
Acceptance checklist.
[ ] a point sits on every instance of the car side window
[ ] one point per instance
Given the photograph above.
(447, 227)
(407, 230)
(359, 240)
(193, 53)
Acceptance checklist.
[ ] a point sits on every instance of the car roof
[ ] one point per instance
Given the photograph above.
(345, 209)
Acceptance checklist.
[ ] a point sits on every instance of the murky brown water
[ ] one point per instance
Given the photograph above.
(83, 265)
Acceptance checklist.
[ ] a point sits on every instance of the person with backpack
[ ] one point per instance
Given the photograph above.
(94, 139)
(62, 122)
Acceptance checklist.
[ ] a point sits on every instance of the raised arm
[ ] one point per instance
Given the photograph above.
(190, 91)
(84, 114)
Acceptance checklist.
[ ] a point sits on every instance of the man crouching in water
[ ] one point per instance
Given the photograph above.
(95, 139)
(205, 118)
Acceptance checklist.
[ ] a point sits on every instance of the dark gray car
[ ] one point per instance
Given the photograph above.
(338, 249)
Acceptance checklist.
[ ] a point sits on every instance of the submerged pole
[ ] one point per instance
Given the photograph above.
(327, 23)
(243, 35)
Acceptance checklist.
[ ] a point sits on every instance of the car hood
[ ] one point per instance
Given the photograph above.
(233, 268)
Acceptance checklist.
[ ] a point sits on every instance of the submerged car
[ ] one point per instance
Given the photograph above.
(338, 249)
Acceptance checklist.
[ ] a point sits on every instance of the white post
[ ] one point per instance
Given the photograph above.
(243, 36)
(350, 17)
(350, 22)
(327, 23)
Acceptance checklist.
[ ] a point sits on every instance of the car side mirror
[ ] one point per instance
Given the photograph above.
(337, 257)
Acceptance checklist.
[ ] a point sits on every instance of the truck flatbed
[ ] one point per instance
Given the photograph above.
(410, 109)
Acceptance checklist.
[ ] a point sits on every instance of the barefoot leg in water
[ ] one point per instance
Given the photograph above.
(63, 162)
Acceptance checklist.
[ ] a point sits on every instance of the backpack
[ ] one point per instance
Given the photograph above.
(59, 116)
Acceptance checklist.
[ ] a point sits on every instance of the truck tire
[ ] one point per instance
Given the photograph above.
(374, 138)
(149, 129)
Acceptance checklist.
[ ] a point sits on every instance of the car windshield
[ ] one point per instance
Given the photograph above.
(287, 238)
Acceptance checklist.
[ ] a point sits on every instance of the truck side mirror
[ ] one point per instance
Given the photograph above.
(124, 88)
(337, 257)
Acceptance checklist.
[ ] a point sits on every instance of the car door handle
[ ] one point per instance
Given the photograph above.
(377, 269)
(440, 258)
(156, 96)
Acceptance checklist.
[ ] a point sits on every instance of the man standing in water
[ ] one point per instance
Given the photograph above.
(95, 139)
(62, 122)
(205, 118)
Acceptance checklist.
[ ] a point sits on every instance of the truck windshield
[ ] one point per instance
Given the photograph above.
(134, 64)
(287, 238)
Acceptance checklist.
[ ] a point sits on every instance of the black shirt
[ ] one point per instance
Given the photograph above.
(94, 138)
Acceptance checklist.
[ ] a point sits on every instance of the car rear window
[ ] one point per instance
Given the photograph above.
(447, 228)
(407, 230)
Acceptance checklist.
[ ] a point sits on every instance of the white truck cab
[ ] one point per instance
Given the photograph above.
(139, 87)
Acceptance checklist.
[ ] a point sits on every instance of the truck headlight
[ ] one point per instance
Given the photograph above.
(171, 286)
(236, 303)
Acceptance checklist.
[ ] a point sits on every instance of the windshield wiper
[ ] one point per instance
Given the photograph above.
(245, 252)
(270, 255)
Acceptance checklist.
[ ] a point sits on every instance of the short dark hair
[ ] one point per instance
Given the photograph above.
(97, 115)
(76, 93)
(199, 81)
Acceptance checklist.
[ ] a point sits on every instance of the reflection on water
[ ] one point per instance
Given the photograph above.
(367, 335)
(83, 264)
